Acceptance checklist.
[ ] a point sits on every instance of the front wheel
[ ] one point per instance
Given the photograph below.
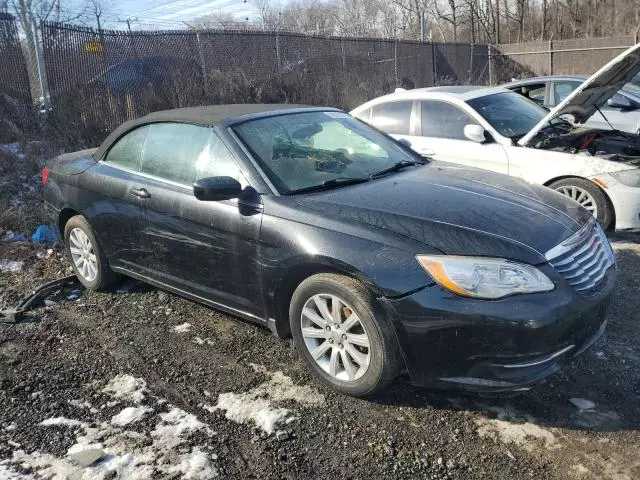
(343, 334)
(589, 195)
(87, 258)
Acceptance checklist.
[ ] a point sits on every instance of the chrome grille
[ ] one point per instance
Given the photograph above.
(584, 258)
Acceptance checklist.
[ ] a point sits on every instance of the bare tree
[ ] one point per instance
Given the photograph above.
(96, 9)
(30, 14)
(220, 20)
(491, 21)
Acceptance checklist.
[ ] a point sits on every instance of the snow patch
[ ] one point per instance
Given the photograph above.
(583, 403)
(579, 469)
(10, 147)
(11, 266)
(257, 405)
(126, 387)
(512, 427)
(182, 328)
(56, 421)
(7, 474)
(245, 408)
(128, 454)
(80, 404)
(130, 415)
(194, 465)
(174, 425)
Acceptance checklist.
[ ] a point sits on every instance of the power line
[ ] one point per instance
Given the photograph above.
(169, 5)
(195, 10)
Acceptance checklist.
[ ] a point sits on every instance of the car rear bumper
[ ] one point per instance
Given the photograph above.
(495, 346)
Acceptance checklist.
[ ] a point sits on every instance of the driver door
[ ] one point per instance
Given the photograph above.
(205, 248)
(442, 127)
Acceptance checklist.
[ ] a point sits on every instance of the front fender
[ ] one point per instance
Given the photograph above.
(291, 251)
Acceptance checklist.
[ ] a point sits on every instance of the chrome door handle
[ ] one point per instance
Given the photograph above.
(140, 192)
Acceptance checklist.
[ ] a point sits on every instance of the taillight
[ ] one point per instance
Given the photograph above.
(45, 175)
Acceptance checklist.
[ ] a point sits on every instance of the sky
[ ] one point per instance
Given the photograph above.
(170, 14)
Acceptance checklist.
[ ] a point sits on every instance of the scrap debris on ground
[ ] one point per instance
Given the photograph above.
(137, 383)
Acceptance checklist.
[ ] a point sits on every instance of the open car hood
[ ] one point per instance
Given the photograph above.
(594, 92)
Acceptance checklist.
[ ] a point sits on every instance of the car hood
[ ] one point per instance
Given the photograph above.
(458, 211)
(594, 92)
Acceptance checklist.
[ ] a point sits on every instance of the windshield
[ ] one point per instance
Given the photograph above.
(302, 150)
(511, 114)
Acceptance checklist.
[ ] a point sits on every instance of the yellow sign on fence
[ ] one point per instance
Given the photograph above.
(93, 47)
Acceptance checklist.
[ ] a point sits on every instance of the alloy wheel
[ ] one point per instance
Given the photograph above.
(83, 254)
(581, 196)
(335, 337)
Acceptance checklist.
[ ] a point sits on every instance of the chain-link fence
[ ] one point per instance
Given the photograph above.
(97, 79)
(557, 57)
(15, 94)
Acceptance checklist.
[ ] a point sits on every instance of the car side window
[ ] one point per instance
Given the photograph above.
(444, 120)
(171, 149)
(127, 151)
(393, 117)
(216, 161)
(533, 92)
(562, 90)
(364, 115)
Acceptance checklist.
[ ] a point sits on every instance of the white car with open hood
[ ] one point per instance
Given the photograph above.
(499, 130)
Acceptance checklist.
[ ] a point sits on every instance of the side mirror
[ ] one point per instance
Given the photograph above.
(475, 133)
(405, 142)
(623, 103)
(217, 188)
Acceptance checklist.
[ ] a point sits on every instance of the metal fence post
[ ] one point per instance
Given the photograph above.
(395, 60)
(434, 64)
(470, 75)
(489, 61)
(40, 67)
(203, 64)
(550, 57)
(278, 52)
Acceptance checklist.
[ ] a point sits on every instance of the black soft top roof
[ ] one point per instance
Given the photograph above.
(209, 116)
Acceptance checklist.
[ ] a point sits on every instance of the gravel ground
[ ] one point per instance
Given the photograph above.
(110, 375)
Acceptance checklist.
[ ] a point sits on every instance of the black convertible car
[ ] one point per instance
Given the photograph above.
(375, 260)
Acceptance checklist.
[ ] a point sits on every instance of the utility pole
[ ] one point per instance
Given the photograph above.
(128, 22)
(423, 20)
(203, 64)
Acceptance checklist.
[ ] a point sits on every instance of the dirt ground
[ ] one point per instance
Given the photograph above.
(159, 387)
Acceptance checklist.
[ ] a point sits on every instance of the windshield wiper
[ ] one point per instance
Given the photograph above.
(396, 167)
(328, 184)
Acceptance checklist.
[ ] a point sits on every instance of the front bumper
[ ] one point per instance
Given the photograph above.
(493, 346)
(625, 201)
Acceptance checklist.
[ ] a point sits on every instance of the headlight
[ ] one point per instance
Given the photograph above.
(481, 277)
(630, 178)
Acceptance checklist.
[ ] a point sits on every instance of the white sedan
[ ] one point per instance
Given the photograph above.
(499, 130)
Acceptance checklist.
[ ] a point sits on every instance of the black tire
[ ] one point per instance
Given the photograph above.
(605, 211)
(104, 275)
(384, 354)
